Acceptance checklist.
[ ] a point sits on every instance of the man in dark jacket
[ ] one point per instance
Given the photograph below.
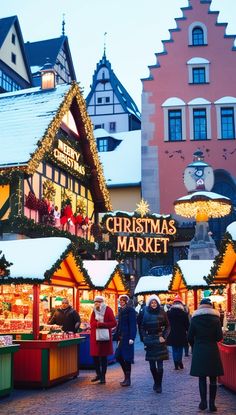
(66, 317)
(204, 333)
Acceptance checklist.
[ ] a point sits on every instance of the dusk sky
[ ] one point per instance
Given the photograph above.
(134, 30)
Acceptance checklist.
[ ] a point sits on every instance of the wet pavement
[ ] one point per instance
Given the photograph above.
(79, 396)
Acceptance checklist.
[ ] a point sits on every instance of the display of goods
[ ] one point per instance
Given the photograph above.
(5, 340)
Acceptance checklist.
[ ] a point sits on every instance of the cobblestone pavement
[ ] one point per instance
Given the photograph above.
(79, 396)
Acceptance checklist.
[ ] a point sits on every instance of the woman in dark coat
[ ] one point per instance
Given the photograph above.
(204, 333)
(179, 324)
(154, 331)
(125, 335)
(101, 317)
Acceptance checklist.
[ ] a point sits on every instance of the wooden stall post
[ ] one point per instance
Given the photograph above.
(229, 299)
(36, 290)
(195, 298)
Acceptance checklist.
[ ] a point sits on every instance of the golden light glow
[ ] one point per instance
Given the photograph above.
(142, 207)
(210, 208)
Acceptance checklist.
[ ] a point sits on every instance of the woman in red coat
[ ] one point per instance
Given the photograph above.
(102, 317)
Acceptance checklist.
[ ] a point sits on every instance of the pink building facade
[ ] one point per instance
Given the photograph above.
(189, 103)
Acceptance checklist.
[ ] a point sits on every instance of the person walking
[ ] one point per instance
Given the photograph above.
(102, 320)
(154, 329)
(179, 324)
(66, 316)
(204, 333)
(125, 335)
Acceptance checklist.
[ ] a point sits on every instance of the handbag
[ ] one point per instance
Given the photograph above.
(102, 335)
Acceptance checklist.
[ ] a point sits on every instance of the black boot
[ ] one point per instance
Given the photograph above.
(96, 378)
(212, 407)
(180, 364)
(203, 393)
(126, 381)
(155, 378)
(159, 381)
(176, 365)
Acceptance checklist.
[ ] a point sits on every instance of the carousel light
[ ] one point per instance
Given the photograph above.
(210, 208)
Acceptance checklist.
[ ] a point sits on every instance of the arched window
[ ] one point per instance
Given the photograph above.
(197, 36)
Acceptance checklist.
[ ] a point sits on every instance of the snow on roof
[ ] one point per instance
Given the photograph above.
(152, 284)
(24, 117)
(199, 101)
(209, 195)
(115, 212)
(101, 133)
(197, 61)
(122, 166)
(226, 100)
(194, 270)
(31, 258)
(100, 271)
(173, 102)
(232, 230)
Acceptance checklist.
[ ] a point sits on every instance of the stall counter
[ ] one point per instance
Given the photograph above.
(43, 363)
(6, 368)
(228, 356)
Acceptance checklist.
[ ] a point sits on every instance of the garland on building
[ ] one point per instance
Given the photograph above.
(177, 271)
(220, 258)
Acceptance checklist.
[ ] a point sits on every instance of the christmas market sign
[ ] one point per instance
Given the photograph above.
(69, 157)
(142, 235)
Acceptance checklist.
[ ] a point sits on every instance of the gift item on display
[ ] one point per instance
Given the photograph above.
(102, 335)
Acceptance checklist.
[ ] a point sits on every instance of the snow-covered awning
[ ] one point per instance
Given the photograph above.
(150, 284)
(37, 260)
(106, 275)
(189, 274)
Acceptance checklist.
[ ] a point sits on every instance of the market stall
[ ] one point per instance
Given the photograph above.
(7, 350)
(40, 270)
(150, 284)
(107, 280)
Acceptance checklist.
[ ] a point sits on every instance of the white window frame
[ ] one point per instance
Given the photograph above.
(169, 106)
(207, 107)
(190, 33)
(197, 62)
(218, 105)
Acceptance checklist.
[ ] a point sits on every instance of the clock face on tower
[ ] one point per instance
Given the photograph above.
(198, 176)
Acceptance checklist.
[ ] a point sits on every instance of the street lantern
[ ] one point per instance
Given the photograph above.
(48, 76)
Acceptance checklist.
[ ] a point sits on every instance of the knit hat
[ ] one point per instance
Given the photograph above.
(124, 297)
(206, 301)
(151, 298)
(99, 299)
(178, 299)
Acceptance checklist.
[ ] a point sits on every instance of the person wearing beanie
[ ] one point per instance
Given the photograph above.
(179, 324)
(204, 333)
(102, 317)
(125, 335)
(154, 327)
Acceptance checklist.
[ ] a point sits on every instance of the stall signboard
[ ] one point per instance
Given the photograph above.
(142, 235)
(69, 157)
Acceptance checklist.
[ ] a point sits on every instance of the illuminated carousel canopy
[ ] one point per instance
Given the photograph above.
(211, 204)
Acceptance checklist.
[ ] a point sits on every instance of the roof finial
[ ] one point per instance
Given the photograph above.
(63, 24)
(104, 54)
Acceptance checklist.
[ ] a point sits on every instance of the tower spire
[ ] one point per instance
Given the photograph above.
(63, 24)
(104, 50)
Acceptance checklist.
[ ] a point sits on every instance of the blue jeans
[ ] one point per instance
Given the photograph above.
(177, 353)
